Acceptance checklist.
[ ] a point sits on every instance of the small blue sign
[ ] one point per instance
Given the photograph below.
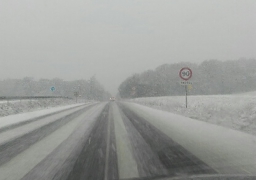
(53, 89)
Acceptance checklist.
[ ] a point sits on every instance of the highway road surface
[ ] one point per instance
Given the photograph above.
(120, 140)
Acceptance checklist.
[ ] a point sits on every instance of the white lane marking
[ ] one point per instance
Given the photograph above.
(127, 166)
(107, 151)
(25, 161)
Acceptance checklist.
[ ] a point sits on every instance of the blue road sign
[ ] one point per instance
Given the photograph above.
(53, 88)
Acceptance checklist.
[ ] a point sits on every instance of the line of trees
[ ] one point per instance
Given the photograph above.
(209, 77)
(89, 89)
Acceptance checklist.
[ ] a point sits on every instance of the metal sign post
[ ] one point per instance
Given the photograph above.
(186, 89)
(76, 94)
(185, 74)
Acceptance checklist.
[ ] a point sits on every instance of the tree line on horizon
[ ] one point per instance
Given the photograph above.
(209, 78)
(88, 89)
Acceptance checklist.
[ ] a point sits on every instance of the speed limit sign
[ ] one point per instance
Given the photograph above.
(185, 73)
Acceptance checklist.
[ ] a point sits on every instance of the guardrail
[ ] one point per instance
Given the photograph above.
(32, 97)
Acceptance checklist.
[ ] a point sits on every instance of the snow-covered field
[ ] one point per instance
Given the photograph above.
(21, 106)
(233, 111)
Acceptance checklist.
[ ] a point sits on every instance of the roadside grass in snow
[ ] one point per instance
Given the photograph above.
(234, 111)
(21, 106)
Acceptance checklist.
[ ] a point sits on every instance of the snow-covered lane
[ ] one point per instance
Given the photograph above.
(223, 149)
(23, 162)
(108, 141)
(27, 128)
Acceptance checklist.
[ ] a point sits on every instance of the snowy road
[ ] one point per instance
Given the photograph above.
(108, 141)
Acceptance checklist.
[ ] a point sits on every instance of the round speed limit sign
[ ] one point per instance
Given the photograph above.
(185, 73)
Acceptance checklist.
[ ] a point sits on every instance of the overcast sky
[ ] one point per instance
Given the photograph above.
(113, 39)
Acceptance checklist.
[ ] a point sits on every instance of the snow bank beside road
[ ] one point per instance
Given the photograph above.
(21, 106)
(225, 150)
(17, 118)
(233, 111)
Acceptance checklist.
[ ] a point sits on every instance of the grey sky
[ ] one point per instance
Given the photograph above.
(114, 39)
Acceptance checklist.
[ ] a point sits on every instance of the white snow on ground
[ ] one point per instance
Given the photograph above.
(15, 101)
(226, 150)
(25, 129)
(17, 118)
(233, 111)
(21, 106)
(21, 164)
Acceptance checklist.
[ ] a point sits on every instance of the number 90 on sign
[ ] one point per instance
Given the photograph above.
(185, 73)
